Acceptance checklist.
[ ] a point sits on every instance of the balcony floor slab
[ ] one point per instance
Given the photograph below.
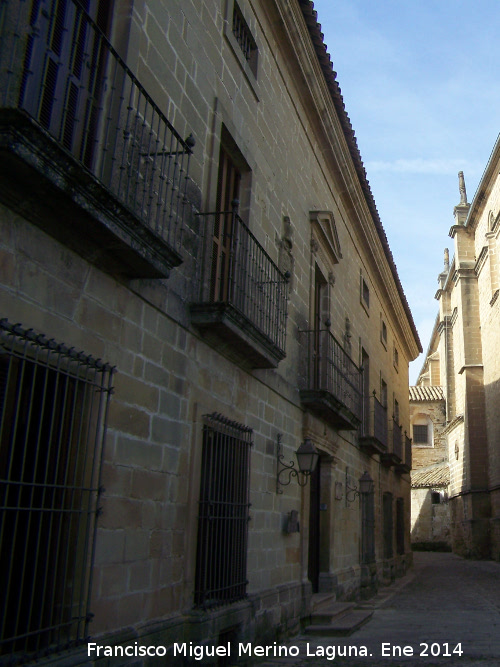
(235, 335)
(46, 185)
(330, 408)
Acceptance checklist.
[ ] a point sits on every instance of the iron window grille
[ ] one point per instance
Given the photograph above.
(53, 412)
(245, 39)
(221, 560)
(420, 434)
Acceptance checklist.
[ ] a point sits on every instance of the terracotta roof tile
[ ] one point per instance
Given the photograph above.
(422, 393)
(436, 475)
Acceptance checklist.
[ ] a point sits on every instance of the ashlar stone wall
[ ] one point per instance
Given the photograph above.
(282, 127)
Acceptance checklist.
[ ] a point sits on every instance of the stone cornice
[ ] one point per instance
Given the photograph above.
(467, 367)
(458, 419)
(317, 76)
(484, 189)
(456, 229)
(465, 272)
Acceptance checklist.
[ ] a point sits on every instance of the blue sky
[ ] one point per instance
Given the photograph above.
(420, 83)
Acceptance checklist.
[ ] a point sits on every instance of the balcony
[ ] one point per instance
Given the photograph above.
(242, 307)
(405, 467)
(394, 457)
(332, 387)
(374, 438)
(87, 155)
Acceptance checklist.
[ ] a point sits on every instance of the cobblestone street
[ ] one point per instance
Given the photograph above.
(445, 605)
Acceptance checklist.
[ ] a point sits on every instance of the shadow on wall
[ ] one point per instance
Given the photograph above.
(492, 400)
(431, 528)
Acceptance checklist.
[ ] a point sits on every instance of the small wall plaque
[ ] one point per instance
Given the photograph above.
(292, 522)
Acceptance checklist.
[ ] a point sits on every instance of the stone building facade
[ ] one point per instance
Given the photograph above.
(194, 281)
(465, 361)
(430, 516)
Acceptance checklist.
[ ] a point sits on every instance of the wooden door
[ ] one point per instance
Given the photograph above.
(314, 528)
(228, 189)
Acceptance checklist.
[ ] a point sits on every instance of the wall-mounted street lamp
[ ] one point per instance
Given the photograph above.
(366, 485)
(307, 458)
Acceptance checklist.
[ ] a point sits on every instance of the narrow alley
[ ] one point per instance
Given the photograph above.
(233, 396)
(445, 605)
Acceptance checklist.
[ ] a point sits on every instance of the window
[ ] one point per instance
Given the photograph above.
(320, 315)
(365, 364)
(396, 411)
(365, 293)
(68, 60)
(492, 250)
(245, 39)
(395, 358)
(435, 498)
(367, 527)
(228, 190)
(422, 430)
(400, 526)
(243, 295)
(388, 524)
(420, 434)
(383, 332)
(52, 409)
(383, 393)
(221, 558)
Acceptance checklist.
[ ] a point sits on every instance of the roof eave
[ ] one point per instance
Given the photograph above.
(314, 28)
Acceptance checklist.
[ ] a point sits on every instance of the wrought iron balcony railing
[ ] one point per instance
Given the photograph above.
(397, 440)
(333, 381)
(408, 451)
(374, 437)
(380, 421)
(394, 457)
(405, 466)
(59, 72)
(243, 294)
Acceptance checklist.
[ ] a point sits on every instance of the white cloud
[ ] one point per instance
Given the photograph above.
(424, 166)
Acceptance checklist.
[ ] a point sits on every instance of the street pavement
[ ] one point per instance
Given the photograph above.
(446, 611)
